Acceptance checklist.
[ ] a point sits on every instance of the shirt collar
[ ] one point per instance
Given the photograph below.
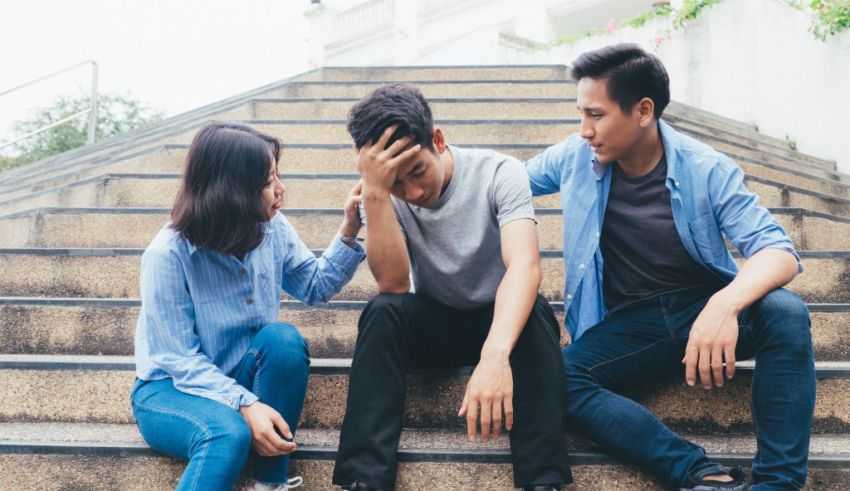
(671, 140)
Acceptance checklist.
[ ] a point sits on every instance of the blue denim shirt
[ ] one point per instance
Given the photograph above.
(708, 200)
(201, 309)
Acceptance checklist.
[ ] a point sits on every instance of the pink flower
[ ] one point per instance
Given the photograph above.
(612, 25)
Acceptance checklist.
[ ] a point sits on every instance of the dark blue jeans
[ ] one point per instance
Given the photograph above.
(641, 346)
(213, 437)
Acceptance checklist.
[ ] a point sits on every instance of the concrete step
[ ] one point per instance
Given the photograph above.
(80, 456)
(83, 326)
(436, 73)
(495, 89)
(337, 158)
(159, 190)
(95, 389)
(135, 227)
(92, 273)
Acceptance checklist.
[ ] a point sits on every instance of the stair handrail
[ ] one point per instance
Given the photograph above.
(91, 111)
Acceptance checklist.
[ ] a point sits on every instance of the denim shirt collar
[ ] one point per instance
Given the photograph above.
(671, 141)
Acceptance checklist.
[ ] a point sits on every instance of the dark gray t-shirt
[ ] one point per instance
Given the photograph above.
(642, 252)
(455, 248)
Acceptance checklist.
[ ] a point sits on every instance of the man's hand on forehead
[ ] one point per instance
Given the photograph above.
(378, 162)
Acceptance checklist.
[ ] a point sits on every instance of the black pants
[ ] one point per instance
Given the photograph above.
(398, 333)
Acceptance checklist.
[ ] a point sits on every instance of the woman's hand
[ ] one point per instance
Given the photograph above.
(351, 222)
(262, 420)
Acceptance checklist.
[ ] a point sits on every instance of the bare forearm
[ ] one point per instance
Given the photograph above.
(386, 251)
(765, 271)
(514, 300)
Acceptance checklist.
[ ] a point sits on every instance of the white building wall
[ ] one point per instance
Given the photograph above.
(750, 60)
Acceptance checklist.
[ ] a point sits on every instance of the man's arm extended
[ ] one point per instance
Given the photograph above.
(715, 331)
(386, 251)
(491, 384)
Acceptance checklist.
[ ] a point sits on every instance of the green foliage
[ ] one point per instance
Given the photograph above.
(7, 162)
(829, 17)
(115, 114)
(691, 9)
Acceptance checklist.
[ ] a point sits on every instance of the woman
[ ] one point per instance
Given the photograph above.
(217, 374)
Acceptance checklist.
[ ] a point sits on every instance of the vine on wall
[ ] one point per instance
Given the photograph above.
(829, 17)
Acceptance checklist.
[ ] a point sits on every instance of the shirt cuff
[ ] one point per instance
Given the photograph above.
(246, 398)
(346, 257)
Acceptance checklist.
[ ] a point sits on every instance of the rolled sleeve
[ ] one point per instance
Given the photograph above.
(748, 225)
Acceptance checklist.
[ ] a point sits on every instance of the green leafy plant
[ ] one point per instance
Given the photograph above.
(829, 17)
(115, 114)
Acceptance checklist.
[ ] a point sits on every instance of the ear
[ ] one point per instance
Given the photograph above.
(646, 112)
(439, 141)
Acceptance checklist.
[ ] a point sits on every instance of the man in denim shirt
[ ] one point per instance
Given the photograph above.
(651, 290)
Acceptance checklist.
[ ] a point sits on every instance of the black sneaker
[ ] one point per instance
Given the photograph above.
(738, 483)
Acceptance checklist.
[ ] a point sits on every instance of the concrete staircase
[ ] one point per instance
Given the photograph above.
(74, 227)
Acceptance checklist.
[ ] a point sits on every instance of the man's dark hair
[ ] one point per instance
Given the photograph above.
(220, 206)
(631, 72)
(395, 104)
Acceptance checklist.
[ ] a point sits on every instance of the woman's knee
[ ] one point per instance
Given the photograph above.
(284, 346)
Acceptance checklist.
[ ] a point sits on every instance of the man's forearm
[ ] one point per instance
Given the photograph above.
(762, 273)
(386, 251)
(514, 300)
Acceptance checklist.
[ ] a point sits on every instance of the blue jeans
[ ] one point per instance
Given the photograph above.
(641, 346)
(213, 437)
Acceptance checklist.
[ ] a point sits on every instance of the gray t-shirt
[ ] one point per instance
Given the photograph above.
(454, 248)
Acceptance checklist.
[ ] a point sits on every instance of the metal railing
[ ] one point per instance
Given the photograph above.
(91, 111)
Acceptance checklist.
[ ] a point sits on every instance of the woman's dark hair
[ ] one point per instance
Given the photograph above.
(398, 104)
(220, 206)
(631, 72)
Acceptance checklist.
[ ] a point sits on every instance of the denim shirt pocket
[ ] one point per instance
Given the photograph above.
(707, 237)
(268, 290)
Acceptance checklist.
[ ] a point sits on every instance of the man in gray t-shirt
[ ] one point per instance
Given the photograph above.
(461, 223)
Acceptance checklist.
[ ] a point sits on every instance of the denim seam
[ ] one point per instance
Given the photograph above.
(204, 427)
(625, 356)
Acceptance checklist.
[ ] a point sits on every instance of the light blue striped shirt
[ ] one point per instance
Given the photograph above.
(201, 309)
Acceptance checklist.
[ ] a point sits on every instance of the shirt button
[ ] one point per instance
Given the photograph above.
(581, 266)
(242, 271)
(597, 235)
(569, 297)
(249, 301)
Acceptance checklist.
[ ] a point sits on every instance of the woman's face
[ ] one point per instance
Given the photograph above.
(272, 192)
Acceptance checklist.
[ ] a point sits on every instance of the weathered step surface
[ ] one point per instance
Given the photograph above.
(442, 109)
(80, 326)
(435, 73)
(114, 457)
(159, 190)
(135, 227)
(338, 158)
(431, 89)
(53, 388)
(114, 273)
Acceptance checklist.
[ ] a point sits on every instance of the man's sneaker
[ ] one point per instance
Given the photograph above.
(738, 483)
(261, 486)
